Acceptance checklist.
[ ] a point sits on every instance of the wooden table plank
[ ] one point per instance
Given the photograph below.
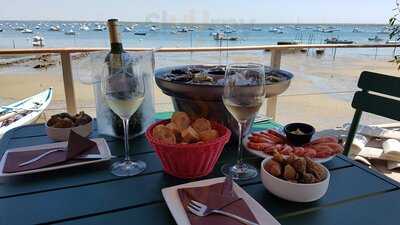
(87, 175)
(344, 184)
(73, 177)
(375, 210)
(140, 190)
(350, 213)
(81, 176)
(267, 200)
(368, 170)
(93, 193)
(139, 146)
(155, 214)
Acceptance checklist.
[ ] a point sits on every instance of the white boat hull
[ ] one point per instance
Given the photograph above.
(43, 98)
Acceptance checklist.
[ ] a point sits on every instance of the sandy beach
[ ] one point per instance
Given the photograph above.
(319, 94)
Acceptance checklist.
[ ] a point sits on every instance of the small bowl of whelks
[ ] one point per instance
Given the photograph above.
(60, 125)
(297, 179)
(188, 147)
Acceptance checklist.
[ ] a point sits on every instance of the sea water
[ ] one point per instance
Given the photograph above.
(168, 36)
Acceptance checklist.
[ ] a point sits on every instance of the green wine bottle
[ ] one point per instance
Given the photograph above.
(118, 60)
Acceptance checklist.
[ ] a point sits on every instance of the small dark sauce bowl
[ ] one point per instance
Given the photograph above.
(299, 139)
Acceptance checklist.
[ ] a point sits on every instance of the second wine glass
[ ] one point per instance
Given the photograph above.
(244, 93)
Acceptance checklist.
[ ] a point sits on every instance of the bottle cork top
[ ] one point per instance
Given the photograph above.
(113, 30)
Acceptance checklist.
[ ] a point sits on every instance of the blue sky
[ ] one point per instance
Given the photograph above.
(250, 11)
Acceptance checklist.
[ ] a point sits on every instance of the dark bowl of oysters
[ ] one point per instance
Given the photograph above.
(197, 90)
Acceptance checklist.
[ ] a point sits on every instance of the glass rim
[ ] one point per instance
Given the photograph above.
(245, 66)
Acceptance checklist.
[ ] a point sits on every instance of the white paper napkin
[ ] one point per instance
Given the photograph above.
(392, 147)
(374, 131)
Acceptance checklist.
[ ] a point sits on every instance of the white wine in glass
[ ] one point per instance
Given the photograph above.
(244, 93)
(242, 110)
(124, 108)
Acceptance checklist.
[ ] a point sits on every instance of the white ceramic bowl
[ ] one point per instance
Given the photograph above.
(294, 191)
(62, 134)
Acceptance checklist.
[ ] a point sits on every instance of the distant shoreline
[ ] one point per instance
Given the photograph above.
(187, 23)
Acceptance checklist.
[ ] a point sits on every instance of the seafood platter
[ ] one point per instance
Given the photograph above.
(265, 143)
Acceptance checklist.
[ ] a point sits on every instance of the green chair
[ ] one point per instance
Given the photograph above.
(377, 96)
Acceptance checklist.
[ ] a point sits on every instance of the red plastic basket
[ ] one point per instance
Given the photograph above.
(189, 160)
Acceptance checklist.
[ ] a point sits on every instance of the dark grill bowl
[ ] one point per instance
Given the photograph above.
(205, 100)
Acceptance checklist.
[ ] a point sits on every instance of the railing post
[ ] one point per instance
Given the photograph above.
(68, 82)
(272, 101)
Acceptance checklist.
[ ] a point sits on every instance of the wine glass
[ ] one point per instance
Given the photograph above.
(123, 89)
(243, 95)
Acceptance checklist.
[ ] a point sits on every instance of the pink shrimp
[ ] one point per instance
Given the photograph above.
(336, 147)
(299, 151)
(259, 139)
(323, 154)
(310, 152)
(274, 138)
(277, 134)
(323, 140)
(286, 149)
(258, 146)
(264, 137)
(323, 151)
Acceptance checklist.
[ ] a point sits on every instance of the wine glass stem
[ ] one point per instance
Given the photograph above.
(240, 152)
(126, 140)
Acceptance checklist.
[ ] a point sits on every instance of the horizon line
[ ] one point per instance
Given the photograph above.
(201, 23)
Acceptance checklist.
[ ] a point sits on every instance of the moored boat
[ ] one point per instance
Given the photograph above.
(99, 28)
(70, 32)
(142, 33)
(183, 30)
(25, 111)
(27, 31)
(275, 30)
(376, 38)
(221, 36)
(335, 40)
(154, 28)
(54, 28)
(84, 28)
(392, 42)
(319, 51)
(38, 41)
(19, 28)
(127, 29)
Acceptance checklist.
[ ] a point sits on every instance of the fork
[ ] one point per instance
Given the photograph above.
(199, 209)
(55, 149)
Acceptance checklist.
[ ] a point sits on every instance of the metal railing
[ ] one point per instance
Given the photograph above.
(275, 62)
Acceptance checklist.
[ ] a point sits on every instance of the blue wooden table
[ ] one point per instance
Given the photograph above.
(92, 195)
